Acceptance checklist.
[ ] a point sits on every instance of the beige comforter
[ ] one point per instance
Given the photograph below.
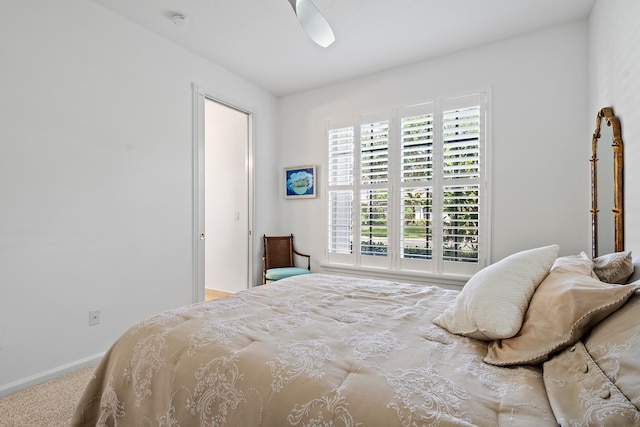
(316, 350)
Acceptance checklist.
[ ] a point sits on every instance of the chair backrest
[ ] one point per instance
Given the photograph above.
(278, 251)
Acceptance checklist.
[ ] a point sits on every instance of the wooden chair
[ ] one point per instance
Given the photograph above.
(278, 259)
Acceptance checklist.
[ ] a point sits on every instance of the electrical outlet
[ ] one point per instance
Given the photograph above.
(94, 317)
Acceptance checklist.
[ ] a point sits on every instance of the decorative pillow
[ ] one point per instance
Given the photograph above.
(563, 308)
(614, 268)
(614, 344)
(636, 270)
(493, 302)
(581, 395)
(575, 263)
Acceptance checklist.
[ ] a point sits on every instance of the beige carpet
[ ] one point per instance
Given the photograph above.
(50, 404)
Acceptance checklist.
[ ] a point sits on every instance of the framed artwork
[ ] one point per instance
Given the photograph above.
(300, 182)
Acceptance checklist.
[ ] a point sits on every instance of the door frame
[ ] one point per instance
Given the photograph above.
(200, 95)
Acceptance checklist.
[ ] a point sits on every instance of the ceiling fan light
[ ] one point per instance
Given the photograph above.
(313, 23)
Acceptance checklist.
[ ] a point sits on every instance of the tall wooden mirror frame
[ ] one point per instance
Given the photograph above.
(606, 114)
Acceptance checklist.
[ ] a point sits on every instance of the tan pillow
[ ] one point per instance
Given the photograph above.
(563, 308)
(614, 268)
(493, 302)
(635, 277)
(581, 395)
(575, 263)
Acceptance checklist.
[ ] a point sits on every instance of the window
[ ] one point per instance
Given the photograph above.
(407, 189)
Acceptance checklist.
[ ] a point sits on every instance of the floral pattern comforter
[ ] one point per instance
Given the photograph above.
(312, 350)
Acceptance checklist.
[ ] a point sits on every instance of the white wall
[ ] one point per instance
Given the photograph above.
(614, 67)
(95, 178)
(540, 135)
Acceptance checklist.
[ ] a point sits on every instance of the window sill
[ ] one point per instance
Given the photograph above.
(447, 281)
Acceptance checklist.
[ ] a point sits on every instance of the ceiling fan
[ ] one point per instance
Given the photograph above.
(313, 22)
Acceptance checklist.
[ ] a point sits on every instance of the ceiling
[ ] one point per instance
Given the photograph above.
(263, 42)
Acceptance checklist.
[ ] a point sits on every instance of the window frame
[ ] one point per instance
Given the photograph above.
(393, 265)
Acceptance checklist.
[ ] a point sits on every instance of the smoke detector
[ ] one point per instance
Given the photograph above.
(179, 19)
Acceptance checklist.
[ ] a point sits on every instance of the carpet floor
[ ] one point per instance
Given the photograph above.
(50, 404)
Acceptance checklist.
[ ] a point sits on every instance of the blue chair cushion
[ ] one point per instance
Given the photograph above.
(274, 274)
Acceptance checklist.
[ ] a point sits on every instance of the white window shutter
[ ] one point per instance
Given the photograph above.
(341, 145)
(413, 196)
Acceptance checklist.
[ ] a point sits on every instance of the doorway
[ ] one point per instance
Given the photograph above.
(222, 196)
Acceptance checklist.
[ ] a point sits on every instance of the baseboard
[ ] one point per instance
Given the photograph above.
(15, 386)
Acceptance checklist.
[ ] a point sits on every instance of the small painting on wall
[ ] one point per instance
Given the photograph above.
(300, 182)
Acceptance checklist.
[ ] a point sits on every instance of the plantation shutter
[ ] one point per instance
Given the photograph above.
(416, 187)
(374, 191)
(462, 130)
(461, 143)
(341, 192)
(417, 148)
(407, 189)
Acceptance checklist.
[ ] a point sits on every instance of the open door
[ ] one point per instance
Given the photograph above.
(223, 194)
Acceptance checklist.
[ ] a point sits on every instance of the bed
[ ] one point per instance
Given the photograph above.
(323, 350)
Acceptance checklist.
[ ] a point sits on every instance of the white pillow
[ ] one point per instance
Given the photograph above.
(493, 303)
